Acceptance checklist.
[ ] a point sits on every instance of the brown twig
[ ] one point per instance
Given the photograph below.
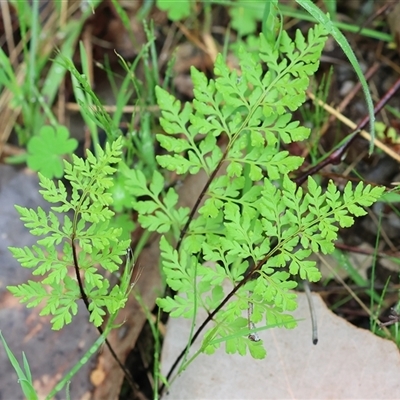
(336, 156)
(394, 318)
(350, 291)
(358, 250)
(345, 102)
(353, 126)
(8, 28)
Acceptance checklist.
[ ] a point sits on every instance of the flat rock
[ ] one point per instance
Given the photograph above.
(347, 363)
(51, 354)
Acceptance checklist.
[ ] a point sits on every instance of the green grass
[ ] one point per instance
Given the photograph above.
(35, 58)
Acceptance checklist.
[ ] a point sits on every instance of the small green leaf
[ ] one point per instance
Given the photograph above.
(176, 10)
(257, 349)
(45, 151)
(157, 183)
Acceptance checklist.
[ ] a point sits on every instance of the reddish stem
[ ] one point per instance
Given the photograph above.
(336, 156)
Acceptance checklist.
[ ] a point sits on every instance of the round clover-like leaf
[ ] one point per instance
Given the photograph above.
(46, 150)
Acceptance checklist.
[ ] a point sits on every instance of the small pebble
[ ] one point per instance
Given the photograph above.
(346, 88)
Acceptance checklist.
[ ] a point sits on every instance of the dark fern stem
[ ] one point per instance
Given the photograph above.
(211, 315)
(128, 376)
(334, 158)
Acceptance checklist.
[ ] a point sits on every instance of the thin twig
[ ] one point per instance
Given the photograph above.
(349, 97)
(85, 299)
(8, 28)
(336, 156)
(74, 107)
(394, 318)
(312, 312)
(351, 292)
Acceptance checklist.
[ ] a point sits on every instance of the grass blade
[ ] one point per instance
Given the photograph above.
(344, 44)
(25, 379)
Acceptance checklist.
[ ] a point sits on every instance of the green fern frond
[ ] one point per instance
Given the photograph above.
(255, 222)
(89, 229)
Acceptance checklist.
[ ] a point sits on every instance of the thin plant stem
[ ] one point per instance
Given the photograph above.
(85, 299)
(157, 345)
(313, 314)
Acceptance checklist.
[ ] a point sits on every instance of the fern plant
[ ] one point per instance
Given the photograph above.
(86, 242)
(251, 225)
